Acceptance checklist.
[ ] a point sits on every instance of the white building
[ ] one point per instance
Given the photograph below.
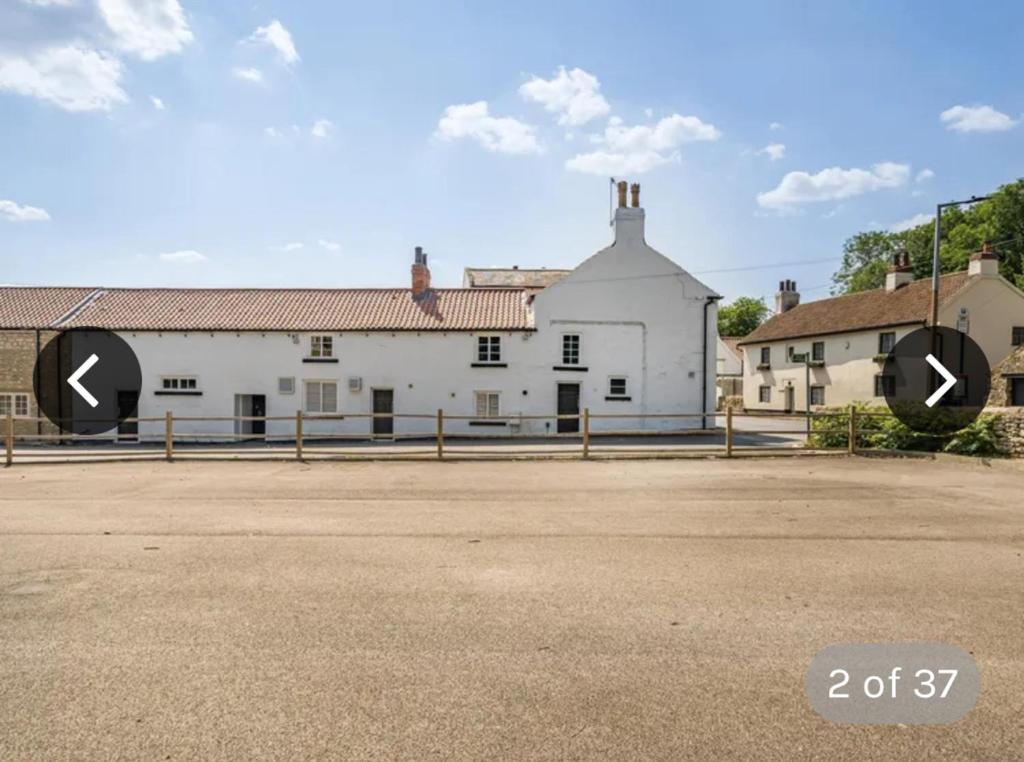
(628, 331)
(849, 337)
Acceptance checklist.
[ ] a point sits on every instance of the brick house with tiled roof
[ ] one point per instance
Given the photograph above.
(848, 337)
(627, 331)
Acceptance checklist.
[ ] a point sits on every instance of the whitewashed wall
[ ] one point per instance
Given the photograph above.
(639, 315)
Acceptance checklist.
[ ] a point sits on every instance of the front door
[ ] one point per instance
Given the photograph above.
(259, 409)
(383, 408)
(568, 404)
(127, 407)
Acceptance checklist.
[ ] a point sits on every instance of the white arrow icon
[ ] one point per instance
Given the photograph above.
(949, 383)
(82, 370)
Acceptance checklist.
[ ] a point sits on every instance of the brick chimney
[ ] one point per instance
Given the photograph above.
(900, 271)
(629, 220)
(984, 262)
(420, 275)
(787, 298)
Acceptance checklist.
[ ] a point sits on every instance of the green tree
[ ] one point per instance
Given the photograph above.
(742, 316)
(999, 220)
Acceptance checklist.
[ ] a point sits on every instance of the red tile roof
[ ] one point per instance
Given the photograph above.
(372, 309)
(861, 311)
(31, 307)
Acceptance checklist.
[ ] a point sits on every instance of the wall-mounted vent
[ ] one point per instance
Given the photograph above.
(355, 384)
(286, 385)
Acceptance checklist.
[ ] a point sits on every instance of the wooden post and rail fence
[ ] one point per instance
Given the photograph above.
(583, 432)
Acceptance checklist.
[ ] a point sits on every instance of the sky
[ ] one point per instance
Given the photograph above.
(314, 144)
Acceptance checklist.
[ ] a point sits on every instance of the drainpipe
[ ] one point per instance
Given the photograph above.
(704, 360)
(39, 423)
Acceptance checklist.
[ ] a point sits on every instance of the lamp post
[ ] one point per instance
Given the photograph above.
(934, 312)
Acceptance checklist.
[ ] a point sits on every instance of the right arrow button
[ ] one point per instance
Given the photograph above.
(949, 383)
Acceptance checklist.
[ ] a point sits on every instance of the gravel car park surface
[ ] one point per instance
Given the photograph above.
(495, 610)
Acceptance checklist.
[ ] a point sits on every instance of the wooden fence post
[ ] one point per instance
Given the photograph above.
(298, 435)
(851, 436)
(169, 435)
(586, 432)
(440, 434)
(728, 432)
(9, 439)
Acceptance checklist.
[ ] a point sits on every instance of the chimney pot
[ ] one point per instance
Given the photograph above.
(634, 191)
(787, 298)
(622, 193)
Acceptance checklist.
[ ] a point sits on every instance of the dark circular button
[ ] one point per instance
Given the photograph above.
(936, 383)
(87, 381)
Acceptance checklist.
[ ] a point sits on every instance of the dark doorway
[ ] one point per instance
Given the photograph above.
(568, 404)
(1017, 391)
(259, 409)
(127, 407)
(383, 405)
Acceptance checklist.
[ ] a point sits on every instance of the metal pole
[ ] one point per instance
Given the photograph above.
(440, 433)
(169, 435)
(807, 391)
(298, 435)
(728, 432)
(586, 432)
(9, 439)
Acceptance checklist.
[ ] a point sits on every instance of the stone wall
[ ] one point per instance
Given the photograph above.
(17, 362)
(1009, 429)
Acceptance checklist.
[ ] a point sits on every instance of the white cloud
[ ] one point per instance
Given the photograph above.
(623, 149)
(279, 38)
(272, 132)
(649, 113)
(573, 95)
(911, 222)
(502, 134)
(832, 184)
(923, 175)
(16, 213)
(293, 246)
(248, 74)
(321, 128)
(73, 77)
(186, 257)
(774, 151)
(976, 119)
(158, 104)
(48, 3)
(148, 28)
(775, 126)
(329, 245)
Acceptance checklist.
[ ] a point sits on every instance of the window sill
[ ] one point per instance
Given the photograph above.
(488, 365)
(817, 363)
(319, 359)
(618, 399)
(580, 368)
(488, 423)
(178, 393)
(764, 366)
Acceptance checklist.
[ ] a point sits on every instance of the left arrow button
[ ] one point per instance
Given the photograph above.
(74, 383)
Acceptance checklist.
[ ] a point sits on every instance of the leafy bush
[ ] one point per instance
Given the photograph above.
(979, 438)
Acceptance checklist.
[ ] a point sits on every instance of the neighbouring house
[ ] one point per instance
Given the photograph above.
(730, 367)
(626, 332)
(1008, 379)
(511, 277)
(848, 337)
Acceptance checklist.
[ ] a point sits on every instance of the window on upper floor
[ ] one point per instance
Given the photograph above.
(766, 355)
(488, 404)
(886, 341)
(488, 349)
(13, 404)
(321, 346)
(818, 351)
(1017, 335)
(570, 349)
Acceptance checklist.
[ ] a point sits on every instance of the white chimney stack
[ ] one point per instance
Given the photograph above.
(984, 262)
(629, 221)
(900, 272)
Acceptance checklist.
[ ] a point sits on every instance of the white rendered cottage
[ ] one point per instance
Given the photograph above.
(627, 331)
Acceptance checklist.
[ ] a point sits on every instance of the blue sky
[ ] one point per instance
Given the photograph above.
(201, 143)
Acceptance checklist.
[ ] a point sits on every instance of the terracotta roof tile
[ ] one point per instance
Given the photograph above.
(860, 311)
(385, 309)
(31, 307)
